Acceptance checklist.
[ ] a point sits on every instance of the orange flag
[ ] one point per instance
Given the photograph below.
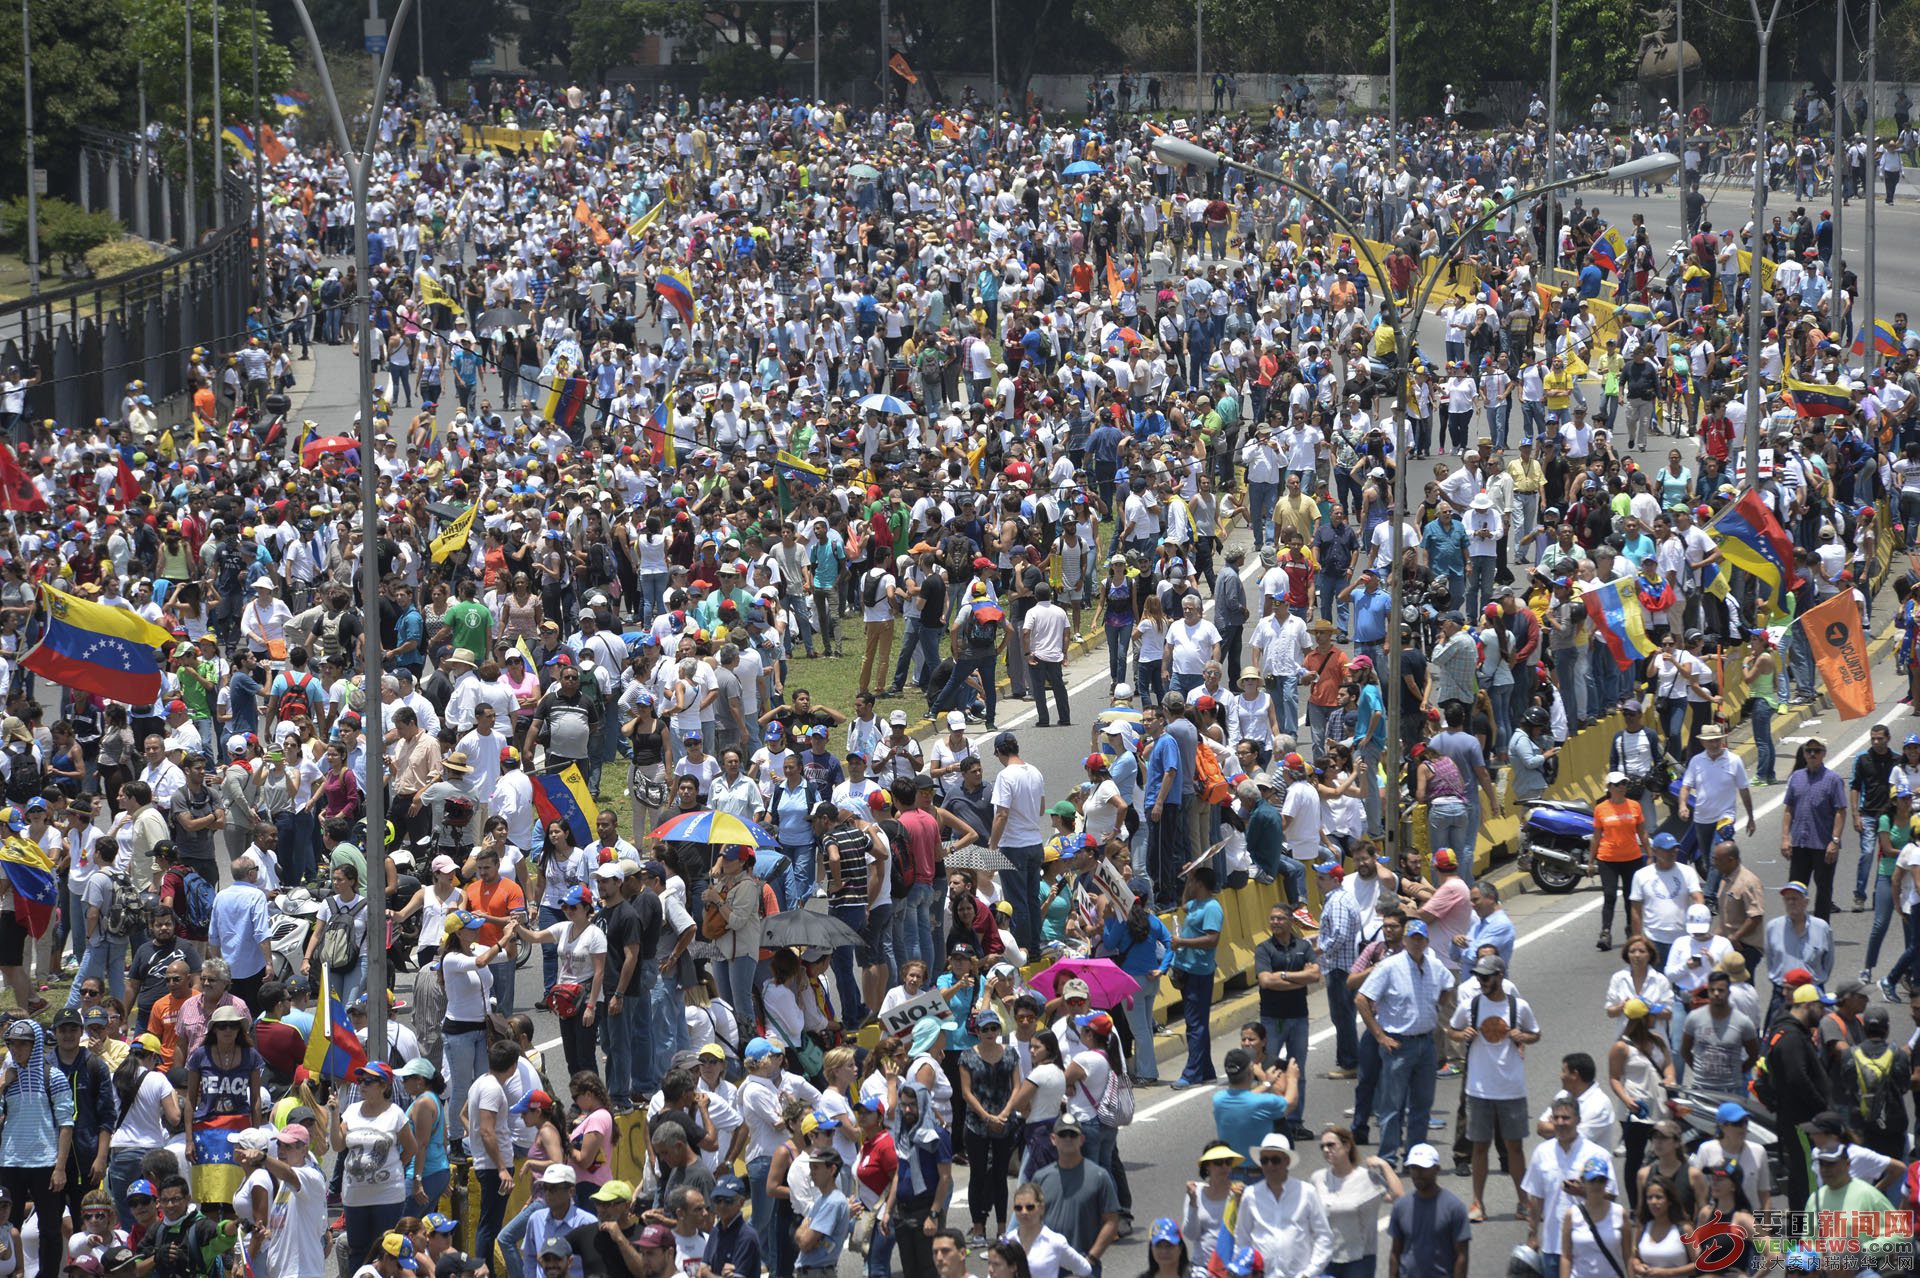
(898, 62)
(1115, 286)
(1839, 644)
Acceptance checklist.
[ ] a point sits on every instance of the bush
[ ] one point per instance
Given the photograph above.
(66, 230)
(122, 255)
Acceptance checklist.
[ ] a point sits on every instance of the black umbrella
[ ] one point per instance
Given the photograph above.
(500, 317)
(806, 926)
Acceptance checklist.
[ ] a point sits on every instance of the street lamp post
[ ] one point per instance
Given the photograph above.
(214, 126)
(1180, 152)
(359, 166)
(33, 178)
(1754, 329)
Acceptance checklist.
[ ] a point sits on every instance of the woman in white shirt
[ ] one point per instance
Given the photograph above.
(581, 948)
(1356, 1190)
(1049, 1254)
(1206, 1208)
(1594, 1224)
(150, 1116)
(1039, 1097)
(468, 983)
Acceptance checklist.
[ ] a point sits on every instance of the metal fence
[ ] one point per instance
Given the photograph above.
(88, 340)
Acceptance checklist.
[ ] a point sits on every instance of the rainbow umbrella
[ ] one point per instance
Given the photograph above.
(717, 828)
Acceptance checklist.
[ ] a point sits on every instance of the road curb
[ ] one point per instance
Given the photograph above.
(1515, 880)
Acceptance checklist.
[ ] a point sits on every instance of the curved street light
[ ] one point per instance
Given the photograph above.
(1179, 151)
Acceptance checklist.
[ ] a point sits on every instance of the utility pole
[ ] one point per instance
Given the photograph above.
(1550, 250)
(1755, 331)
(259, 158)
(192, 235)
(886, 59)
(1865, 326)
(1839, 138)
(993, 106)
(215, 125)
(140, 187)
(1199, 56)
(33, 175)
(1680, 78)
(1393, 82)
(816, 52)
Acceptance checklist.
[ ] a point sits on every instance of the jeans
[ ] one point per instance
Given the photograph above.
(761, 1202)
(550, 953)
(1118, 640)
(1869, 854)
(1042, 675)
(1340, 1010)
(1184, 683)
(123, 1168)
(1139, 1012)
(514, 1236)
(1908, 963)
(1762, 720)
(1288, 1035)
(1882, 918)
(847, 963)
(106, 957)
(963, 667)
(1327, 587)
(799, 872)
(734, 978)
(1405, 1094)
(1533, 418)
(616, 1033)
(924, 640)
(1448, 823)
(1166, 850)
(1367, 1063)
(653, 593)
(364, 1224)
(1196, 1005)
(665, 1028)
(1022, 887)
(466, 1056)
(503, 973)
(1285, 691)
(1367, 760)
(1260, 499)
(913, 925)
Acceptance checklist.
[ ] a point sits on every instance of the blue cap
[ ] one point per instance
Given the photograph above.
(1731, 1112)
(1165, 1230)
(1664, 840)
(439, 1223)
(577, 895)
(759, 1049)
(1596, 1168)
(729, 1187)
(142, 1188)
(1417, 927)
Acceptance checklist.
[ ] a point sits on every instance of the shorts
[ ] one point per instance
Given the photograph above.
(1488, 1120)
(13, 940)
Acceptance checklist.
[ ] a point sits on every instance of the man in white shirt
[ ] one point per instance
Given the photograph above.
(1659, 895)
(1045, 633)
(1019, 829)
(1495, 1026)
(1283, 1218)
(1280, 645)
(1553, 1164)
(1191, 643)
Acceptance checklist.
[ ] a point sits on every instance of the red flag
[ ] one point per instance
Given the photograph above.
(125, 486)
(16, 490)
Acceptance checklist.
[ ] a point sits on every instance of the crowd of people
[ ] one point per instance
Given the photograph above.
(635, 491)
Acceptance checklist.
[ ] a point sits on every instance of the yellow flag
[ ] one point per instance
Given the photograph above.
(457, 534)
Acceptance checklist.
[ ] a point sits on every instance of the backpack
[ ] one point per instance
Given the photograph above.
(123, 907)
(979, 634)
(1866, 1086)
(337, 947)
(1115, 1106)
(196, 904)
(293, 697)
(870, 588)
(24, 777)
(1209, 780)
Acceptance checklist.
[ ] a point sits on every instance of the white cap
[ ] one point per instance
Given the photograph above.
(443, 864)
(1699, 921)
(1423, 1155)
(1123, 692)
(607, 870)
(956, 721)
(559, 1174)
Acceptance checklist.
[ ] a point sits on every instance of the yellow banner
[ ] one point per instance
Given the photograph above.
(1766, 270)
(457, 534)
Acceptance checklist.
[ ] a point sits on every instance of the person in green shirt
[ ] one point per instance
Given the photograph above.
(467, 623)
(1845, 1212)
(199, 687)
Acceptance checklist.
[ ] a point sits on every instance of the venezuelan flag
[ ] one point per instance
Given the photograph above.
(333, 1049)
(563, 796)
(659, 435)
(240, 137)
(1608, 249)
(676, 290)
(553, 387)
(1817, 399)
(109, 652)
(35, 889)
(1752, 540)
(1621, 622)
(215, 1174)
(573, 393)
(1886, 339)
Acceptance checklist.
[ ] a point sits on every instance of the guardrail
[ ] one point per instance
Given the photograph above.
(90, 339)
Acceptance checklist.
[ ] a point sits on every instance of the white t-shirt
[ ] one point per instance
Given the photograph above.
(1664, 896)
(468, 987)
(297, 1226)
(1495, 1069)
(143, 1127)
(1022, 790)
(488, 1095)
(576, 954)
(373, 1175)
(1083, 1098)
(1192, 645)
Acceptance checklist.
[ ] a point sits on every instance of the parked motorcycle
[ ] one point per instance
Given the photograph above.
(1554, 838)
(292, 914)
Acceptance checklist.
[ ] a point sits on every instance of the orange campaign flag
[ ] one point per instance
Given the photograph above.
(900, 68)
(1115, 286)
(1839, 644)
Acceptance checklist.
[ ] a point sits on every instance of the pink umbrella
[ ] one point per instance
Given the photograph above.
(1107, 985)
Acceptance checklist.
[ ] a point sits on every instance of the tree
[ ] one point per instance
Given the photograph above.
(66, 230)
(82, 74)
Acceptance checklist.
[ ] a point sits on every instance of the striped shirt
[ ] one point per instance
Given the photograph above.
(1339, 930)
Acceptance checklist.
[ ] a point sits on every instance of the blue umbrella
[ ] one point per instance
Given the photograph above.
(1080, 168)
(885, 404)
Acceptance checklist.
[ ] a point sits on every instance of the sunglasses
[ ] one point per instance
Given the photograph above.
(1276, 1160)
(1026, 1207)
